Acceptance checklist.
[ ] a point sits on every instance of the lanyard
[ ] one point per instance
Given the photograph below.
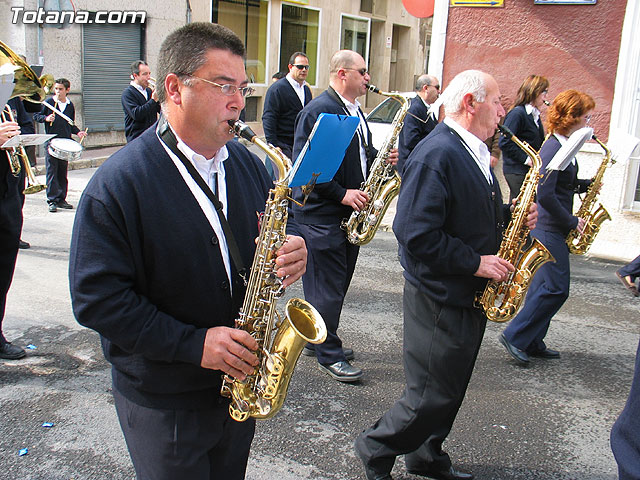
(168, 137)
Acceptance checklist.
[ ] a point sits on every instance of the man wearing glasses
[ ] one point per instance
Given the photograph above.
(332, 259)
(154, 270)
(420, 120)
(283, 101)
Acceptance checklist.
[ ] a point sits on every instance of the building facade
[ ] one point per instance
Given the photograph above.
(96, 57)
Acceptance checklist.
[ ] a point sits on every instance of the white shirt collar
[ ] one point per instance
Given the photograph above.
(299, 89)
(138, 87)
(476, 147)
(531, 110)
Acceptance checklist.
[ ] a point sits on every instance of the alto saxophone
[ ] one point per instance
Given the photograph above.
(382, 184)
(501, 300)
(280, 340)
(593, 213)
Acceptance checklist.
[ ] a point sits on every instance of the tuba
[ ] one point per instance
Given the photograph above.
(382, 184)
(280, 340)
(593, 213)
(501, 300)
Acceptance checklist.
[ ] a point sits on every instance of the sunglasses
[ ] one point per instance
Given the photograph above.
(301, 67)
(361, 71)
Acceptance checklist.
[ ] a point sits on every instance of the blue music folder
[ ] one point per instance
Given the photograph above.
(324, 150)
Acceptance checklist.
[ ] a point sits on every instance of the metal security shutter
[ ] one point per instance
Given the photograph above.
(107, 54)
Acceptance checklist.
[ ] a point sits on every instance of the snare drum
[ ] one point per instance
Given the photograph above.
(65, 149)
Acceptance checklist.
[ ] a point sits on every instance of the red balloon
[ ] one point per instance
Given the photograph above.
(419, 8)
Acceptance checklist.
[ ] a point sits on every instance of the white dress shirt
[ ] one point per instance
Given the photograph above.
(531, 110)
(143, 91)
(207, 168)
(354, 111)
(299, 89)
(476, 148)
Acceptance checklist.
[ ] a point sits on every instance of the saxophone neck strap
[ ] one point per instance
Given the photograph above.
(168, 137)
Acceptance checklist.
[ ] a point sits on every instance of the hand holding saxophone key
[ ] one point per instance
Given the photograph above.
(229, 350)
(581, 224)
(494, 267)
(393, 157)
(532, 218)
(291, 260)
(355, 199)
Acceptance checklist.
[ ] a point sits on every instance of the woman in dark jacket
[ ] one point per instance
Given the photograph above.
(549, 289)
(524, 121)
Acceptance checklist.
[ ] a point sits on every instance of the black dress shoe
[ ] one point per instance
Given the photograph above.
(310, 352)
(11, 352)
(369, 471)
(515, 352)
(546, 353)
(53, 208)
(342, 371)
(23, 245)
(64, 204)
(445, 474)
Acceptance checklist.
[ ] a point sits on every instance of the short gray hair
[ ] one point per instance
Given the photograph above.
(469, 81)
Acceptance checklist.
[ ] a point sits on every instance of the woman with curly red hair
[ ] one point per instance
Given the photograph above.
(549, 289)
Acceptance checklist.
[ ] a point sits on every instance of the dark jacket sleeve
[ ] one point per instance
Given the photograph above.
(270, 115)
(42, 114)
(135, 110)
(102, 272)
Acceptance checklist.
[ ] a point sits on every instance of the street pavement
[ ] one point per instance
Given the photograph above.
(548, 421)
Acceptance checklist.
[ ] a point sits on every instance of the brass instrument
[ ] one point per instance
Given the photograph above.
(152, 83)
(28, 85)
(280, 341)
(382, 184)
(18, 156)
(501, 300)
(593, 213)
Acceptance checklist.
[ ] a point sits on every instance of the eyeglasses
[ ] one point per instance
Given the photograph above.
(301, 67)
(587, 118)
(437, 87)
(361, 71)
(228, 89)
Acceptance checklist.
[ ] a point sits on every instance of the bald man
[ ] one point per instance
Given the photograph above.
(420, 120)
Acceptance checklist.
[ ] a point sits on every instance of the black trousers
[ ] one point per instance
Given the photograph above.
(515, 181)
(190, 444)
(10, 228)
(441, 344)
(57, 183)
(330, 265)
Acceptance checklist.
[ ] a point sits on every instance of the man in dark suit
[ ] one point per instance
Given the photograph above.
(139, 102)
(448, 238)
(283, 101)
(332, 259)
(156, 275)
(420, 120)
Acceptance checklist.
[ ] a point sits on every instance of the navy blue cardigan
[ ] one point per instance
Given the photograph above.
(446, 218)
(555, 192)
(60, 126)
(323, 206)
(281, 106)
(414, 130)
(139, 113)
(146, 271)
(523, 126)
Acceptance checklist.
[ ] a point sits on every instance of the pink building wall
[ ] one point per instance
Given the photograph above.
(574, 46)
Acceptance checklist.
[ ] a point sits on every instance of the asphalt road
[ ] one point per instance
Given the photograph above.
(549, 421)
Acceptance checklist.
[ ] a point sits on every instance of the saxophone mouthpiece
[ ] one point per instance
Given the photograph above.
(241, 129)
(373, 88)
(546, 102)
(505, 131)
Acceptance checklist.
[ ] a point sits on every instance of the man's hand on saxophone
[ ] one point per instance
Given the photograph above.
(355, 198)
(230, 350)
(292, 260)
(393, 157)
